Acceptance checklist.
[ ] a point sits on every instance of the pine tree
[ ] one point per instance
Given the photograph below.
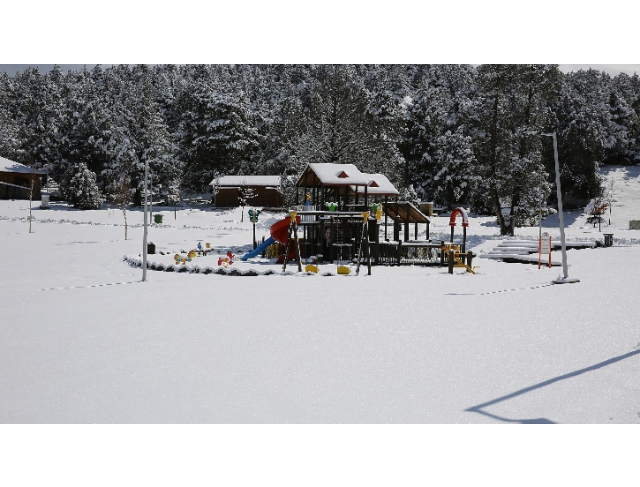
(216, 134)
(9, 129)
(140, 136)
(582, 117)
(620, 143)
(78, 186)
(513, 101)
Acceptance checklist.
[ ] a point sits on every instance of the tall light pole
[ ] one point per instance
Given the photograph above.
(563, 245)
(144, 238)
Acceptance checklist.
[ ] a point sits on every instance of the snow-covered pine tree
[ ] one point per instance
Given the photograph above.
(513, 101)
(9, 129)
(426, 119)
(216, 133)
(140, 134)
(287, 188)
(78, 186)
(37, 107)
(453, 160)
(620, 131)
(341, 124)
(582, 117)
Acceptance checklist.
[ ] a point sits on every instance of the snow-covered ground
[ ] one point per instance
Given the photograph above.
(83, 340)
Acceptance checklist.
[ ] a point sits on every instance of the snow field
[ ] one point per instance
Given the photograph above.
(84, 341)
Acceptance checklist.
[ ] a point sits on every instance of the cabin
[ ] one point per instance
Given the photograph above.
(228, 191)
(16, 179)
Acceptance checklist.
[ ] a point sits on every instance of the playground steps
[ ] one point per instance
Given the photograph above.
(514, 250)
(522, 251)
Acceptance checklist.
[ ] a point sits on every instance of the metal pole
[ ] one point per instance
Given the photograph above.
(151, 197)
(30, 200)
(144, 238)
(563, 245)
(540, 212)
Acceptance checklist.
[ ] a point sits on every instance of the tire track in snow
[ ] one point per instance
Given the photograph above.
(86, 287)
(502, 290)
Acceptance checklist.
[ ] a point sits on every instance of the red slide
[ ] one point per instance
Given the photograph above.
(280, 233)
(280, 230)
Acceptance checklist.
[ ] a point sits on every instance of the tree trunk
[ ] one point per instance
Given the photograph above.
(496, 204)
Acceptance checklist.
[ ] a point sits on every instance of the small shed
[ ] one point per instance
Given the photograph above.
(15, 180)
(265, 191)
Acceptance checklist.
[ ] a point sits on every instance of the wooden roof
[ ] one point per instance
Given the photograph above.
(7, 165)
(379, 185)
(234, 181)
(407, 212)
(319, 175)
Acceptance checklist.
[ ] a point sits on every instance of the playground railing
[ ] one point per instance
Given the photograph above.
(409, 253)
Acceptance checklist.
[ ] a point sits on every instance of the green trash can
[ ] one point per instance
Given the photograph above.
(157, 218)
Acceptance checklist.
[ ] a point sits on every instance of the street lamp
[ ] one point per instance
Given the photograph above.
(565, 267)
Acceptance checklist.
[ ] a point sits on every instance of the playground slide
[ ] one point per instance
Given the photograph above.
(280, 230)
(279, 233)
(263, 246)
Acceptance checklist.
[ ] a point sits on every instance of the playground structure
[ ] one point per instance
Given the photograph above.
(340, 222)
(315, 237)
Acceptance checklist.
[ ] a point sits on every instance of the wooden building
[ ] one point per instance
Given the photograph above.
(16, 178)
(338, 183)
(228, 190)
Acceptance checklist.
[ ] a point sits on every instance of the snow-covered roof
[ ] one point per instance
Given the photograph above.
(330, 174)
(236, 181)
(378, 185)
(9, 166)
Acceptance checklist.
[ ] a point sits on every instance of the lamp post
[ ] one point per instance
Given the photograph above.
(565, 267)
(144, 238)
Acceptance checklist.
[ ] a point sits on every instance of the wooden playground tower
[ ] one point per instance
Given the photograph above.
(339, 222)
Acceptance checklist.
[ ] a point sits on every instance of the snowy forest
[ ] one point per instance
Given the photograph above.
(452, 134)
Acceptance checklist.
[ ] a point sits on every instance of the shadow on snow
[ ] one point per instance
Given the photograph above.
(479, 408)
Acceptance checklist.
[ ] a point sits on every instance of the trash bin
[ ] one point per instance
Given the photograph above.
(157, 218)
(44, 204)
(151, 248)
(608, 239)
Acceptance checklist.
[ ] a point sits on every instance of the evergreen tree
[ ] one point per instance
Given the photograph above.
(514, 100)
(78, 186)
(583, 116)
(216, 134)
(9, 129)
(622, 126)
(140, 135)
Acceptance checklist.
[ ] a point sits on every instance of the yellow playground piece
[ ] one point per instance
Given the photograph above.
(457, 262)
(343, 269)
(311, 268)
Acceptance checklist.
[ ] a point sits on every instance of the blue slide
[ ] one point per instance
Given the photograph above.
(263, 246)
